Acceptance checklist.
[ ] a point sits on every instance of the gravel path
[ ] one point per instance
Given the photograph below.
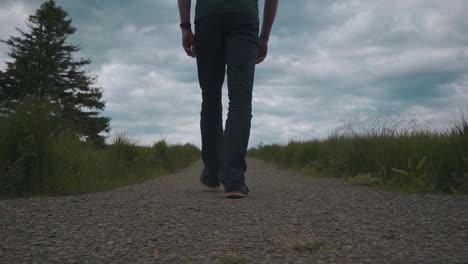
(171, 219)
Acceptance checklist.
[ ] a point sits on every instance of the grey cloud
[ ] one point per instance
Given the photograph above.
(329, 61)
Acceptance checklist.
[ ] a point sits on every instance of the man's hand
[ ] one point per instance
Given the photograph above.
(262, 51)
(188, 39)
(188, 42)
(269, 14)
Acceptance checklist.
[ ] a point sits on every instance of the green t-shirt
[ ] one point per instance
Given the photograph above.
(209, 7)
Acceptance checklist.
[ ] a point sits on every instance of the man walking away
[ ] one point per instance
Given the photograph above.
(226, 40)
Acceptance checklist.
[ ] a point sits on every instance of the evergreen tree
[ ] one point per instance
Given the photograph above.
(43, 69)
(2, 96)
(1, 92)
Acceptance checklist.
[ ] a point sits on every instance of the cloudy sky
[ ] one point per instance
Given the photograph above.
(330, 61)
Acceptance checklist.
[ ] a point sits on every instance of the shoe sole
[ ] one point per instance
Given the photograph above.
(234, 195)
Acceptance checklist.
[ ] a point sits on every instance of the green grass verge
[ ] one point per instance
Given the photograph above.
(407, 160)
(39, 156)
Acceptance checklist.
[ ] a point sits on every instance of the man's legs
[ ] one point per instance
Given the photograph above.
(241, 53)
(211, 70)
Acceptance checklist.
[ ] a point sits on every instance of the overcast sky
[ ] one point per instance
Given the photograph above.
(329, 61)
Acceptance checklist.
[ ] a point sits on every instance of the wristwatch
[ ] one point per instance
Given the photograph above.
(186, 25)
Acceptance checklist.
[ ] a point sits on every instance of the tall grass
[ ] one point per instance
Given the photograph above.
(40, 155)
(388, 154)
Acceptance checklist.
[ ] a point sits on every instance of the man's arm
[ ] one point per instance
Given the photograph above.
(269, 14)
(188, 39)
(184, 10)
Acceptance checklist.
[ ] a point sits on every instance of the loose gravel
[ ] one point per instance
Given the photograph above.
(171, 219)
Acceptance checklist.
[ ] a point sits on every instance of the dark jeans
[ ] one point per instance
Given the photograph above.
(226, 40)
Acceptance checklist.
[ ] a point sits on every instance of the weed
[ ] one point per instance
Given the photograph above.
(308, 245)
(413, 171)
(365, 180)
(414, 179)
